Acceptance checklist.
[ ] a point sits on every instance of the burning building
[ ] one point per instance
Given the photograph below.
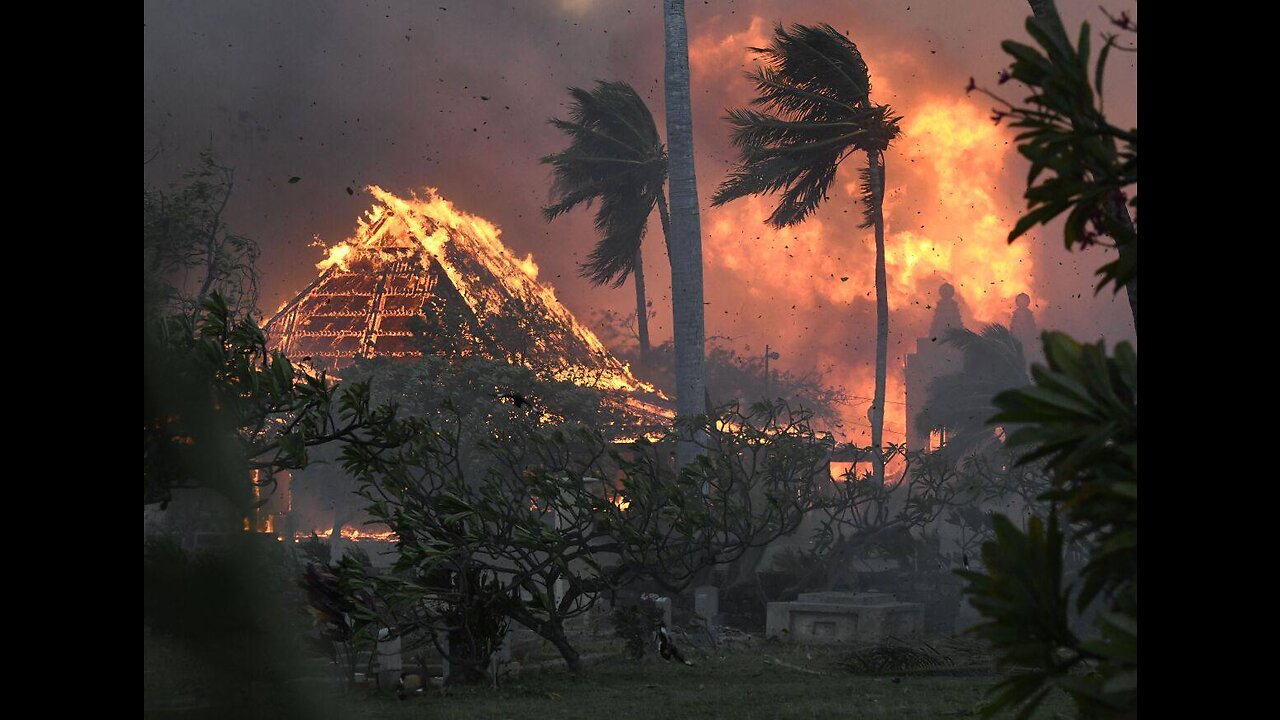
(419, 273)
(420, 257)
(934, 358)
(421, 260)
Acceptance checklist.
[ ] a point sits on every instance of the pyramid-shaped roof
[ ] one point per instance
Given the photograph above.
(419, 257)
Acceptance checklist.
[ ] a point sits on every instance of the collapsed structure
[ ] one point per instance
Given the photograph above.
(420, 258)
(418, 276)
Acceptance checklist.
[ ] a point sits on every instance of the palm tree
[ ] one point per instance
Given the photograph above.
(961, 402)
(685, 238)
(614, 156)
(815, 90)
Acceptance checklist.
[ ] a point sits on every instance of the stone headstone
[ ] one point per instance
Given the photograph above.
(664, 604)
(846, 598)
(390, 662)
(706, 602)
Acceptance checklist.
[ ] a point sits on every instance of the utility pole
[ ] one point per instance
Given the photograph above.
(767, 357)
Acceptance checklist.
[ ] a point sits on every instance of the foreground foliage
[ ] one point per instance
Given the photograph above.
(218, 406)
(539, 522)
(1081, 417)
(1081, 164)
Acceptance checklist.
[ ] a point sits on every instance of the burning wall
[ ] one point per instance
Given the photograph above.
(418, 256)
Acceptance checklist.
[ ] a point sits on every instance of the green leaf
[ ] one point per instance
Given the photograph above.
(1102, 63)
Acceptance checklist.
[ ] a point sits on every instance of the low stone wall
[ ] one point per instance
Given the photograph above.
(832, 618)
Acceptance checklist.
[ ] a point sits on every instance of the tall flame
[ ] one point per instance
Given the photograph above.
(809, 290)
(469, 250)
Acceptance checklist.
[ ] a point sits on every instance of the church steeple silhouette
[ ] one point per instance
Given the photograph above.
(947, 313)
(1023, 326)
(932, 358)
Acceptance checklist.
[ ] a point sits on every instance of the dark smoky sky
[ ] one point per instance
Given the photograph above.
(455, 95)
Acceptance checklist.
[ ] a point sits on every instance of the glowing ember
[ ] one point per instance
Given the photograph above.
(840, 470)
(349, 533)
(843, 471)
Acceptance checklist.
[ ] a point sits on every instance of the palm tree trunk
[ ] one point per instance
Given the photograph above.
(642, 310)
(1114, 207)
(665, 218)
(686, 231)
(875, 166)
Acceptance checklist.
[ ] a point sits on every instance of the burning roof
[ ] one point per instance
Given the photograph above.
(421, 257)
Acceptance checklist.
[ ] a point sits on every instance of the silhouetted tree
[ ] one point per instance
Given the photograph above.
(816, 92)
(615, 157)
(961, 402)
(187, 250)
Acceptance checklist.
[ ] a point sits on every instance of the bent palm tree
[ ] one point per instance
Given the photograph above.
(815, 89)
(616, 157)
(962, 402)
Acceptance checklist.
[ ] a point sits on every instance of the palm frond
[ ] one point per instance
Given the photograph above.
(615, 156)
(821, 58)
(813, 89)
(621, 223)
(871, 191)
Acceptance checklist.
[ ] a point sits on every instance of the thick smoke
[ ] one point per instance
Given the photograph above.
(455, 95)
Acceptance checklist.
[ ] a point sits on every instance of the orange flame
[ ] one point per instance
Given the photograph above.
(432, 222)
(349, 533)
(808, 290)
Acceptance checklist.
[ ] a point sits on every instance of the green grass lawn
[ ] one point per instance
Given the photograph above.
(738, 684)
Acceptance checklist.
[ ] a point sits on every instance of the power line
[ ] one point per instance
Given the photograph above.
(859, 397)
(887, 427)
